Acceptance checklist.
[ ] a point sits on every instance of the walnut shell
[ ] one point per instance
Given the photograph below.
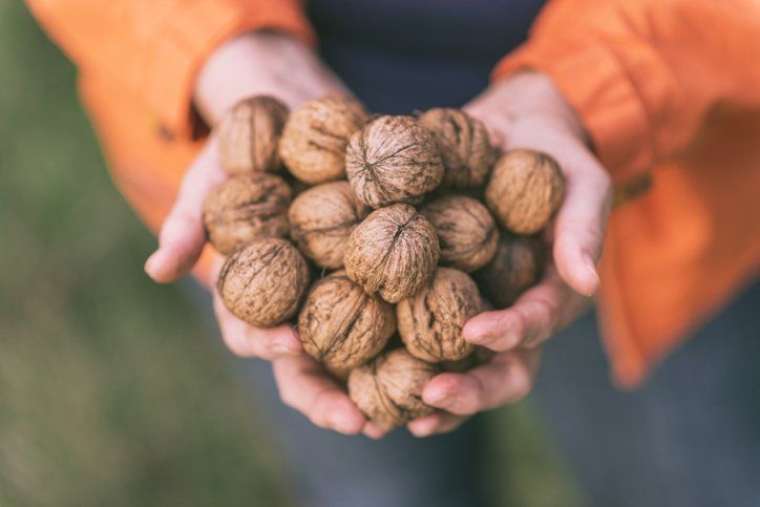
(321, 220)
(466, 230)
(393, 159)
(249, 133)
(263, 283)
(342, 326)
(388, 390)
(246, 207)
(464, 145)
(393, 252)
(517, 266)
(313, 142)
(525, 190)
(430, 323)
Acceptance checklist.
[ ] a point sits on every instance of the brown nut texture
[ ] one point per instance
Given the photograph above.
(246, 207)
(464, 145)
(467, 232)
(393, 159)
(321, 220)
(430, 323)
(517, 266)
(263, 283)
(388, 390)
(342, 326)
(249, 134)
(525, 190)
(313, 142)
(393, 252)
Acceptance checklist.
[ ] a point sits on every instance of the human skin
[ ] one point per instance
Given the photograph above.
(521, 111)
(527, 111)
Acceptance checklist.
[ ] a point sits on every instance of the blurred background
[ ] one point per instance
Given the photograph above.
(115, 391)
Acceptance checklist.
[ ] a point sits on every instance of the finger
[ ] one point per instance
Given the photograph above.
(182, 235)
(248, 341)
(434, 424)
(373, 431)
(533, 318)
(304, 386)
(580, 224)
(507, 378)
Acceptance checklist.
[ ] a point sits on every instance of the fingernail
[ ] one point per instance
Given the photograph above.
(436, 396)
(422, 433)
(591, 276)
(341, 423)
(150, 265)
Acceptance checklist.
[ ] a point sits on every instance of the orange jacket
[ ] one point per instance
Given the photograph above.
(668, 89)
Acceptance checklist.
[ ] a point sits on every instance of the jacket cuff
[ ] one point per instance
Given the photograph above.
(189, 39)
(596, 85)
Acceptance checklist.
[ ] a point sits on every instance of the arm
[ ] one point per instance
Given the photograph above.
(636, 81)
(643, 75)
(156, 49)
(178, 54)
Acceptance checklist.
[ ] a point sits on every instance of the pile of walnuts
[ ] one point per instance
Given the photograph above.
(401, 229)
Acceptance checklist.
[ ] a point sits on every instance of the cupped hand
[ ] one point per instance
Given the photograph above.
(253, 64)
(527, 111)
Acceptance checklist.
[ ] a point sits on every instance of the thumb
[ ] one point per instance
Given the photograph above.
(182, 235)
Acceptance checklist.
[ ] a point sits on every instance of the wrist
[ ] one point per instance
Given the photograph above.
(531, 97)
(261, 63)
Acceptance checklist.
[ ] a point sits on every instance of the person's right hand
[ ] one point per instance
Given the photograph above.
(253, 64)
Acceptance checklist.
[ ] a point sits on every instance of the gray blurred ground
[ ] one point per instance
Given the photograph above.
(112, 392)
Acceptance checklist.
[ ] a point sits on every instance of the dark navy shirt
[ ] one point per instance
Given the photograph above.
(398, 56)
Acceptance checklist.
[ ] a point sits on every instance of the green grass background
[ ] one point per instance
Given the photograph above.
(111, 390)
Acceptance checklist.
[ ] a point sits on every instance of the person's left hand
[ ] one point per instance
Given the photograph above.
(527, 111)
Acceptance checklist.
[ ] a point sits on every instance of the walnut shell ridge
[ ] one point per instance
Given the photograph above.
(393, 159)
(388, 390)
(525, 190)
(393, 252)
(464, 144)
(467, 232)
(322, 219)
(246, 207)
(517, 265)
(263, 283)
(249, 134)
(342, 326)
(430, 323)
(313, 142)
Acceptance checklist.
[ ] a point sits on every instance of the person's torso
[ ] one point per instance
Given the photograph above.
(402, 55)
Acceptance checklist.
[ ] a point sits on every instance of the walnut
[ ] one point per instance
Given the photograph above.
(246, 207)
(249, 133)
(430, 323)
(313, 143)
(263, 282)
(525, 190)
(464, 145)
(393, 252)
(466, 230)
(388, 390)
(321, 220)
(517, 265)
(393, 159)
(342, 326)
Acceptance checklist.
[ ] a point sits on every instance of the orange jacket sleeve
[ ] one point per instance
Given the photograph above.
(643, 74)
(155, 48)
